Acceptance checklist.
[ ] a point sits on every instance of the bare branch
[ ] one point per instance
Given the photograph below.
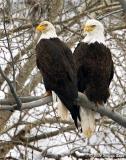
(123, 4)
(82, 101)
(11, 101)
(17, 99)
(33, 130)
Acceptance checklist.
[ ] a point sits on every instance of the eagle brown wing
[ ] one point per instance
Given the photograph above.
(94, 70)
(55, 62)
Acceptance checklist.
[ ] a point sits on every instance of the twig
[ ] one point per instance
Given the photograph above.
(123, 26)
(49, 134)
(9, 48)
(99, 156)
(123, 4)
(109, 14)
(17, 99)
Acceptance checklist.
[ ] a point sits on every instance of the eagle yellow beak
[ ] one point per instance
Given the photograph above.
(88, 28)
(40, 27)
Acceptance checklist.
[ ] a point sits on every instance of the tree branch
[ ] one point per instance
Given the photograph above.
(29, 105)
(123, 4)
(17, 99)
(109, 14)
(11, 101)
(82, 101)
(98, 156)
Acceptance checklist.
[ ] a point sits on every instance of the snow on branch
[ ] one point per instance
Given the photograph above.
(82, 101)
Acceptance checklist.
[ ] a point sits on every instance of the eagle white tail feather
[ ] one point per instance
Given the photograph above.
(87, 121)
(54, 97)
(62, 110)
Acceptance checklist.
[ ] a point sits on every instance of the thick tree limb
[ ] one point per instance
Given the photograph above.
(82, 101)
(11, 101)
(29, 105)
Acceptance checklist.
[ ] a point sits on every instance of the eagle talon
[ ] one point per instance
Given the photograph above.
(47, 93)
(97, 104)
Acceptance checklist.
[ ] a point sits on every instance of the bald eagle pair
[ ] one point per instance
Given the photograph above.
(89, 70)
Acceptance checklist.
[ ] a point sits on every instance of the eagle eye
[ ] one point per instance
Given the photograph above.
(93, 25)
(45, 24)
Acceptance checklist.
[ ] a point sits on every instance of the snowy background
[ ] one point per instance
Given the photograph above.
(37, 133)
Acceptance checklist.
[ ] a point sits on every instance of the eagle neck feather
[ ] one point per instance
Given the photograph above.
(94, 37)
(48, 35)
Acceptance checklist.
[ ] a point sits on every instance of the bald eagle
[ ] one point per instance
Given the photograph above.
(55, 62)
(94, 71)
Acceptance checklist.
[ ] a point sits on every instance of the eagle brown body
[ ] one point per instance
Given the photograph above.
(55, 62)
(94, 70)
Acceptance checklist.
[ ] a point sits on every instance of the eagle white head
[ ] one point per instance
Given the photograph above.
(47, 30)
(94, 32)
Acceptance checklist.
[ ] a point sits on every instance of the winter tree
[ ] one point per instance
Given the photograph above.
(35, 131)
